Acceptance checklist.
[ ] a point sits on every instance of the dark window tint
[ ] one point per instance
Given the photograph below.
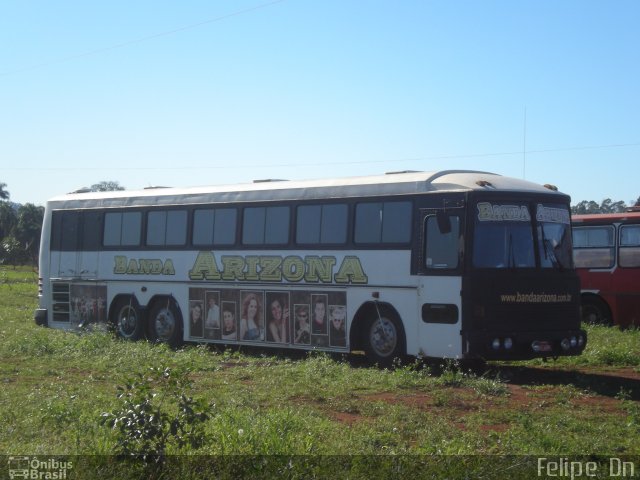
(322, 224)
(91, 230)
(167, 228)
(122, 229)
(64, 231)
(396, 222)
(265, 225)
(383, 222)
(76, 230)
(214, 226)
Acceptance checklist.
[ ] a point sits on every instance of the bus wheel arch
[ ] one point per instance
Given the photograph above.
(595, 310)
(378, 330)
(165, 321)
(127, 317)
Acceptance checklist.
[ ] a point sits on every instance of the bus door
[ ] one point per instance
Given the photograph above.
(440, 285)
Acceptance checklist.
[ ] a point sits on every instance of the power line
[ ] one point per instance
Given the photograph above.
(354, 162)
(117, 46)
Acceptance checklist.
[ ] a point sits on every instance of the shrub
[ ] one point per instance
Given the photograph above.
(151, 420)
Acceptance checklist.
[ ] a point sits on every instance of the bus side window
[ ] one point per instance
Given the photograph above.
(265, 226)
(69, 231)
(383, 222)
(441, 249)
(167, 227)
(324, 224)
(630, 246)
(214, 226)
(593, 247)
(122, 229)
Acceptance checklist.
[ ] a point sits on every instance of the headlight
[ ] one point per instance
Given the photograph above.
(574, 342)
(565, 344)
(496, 344)
(508, 343)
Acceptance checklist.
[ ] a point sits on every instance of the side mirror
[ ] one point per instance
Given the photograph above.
(444, 222)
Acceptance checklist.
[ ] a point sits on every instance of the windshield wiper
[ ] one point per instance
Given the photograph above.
(512, 256)
(549, 253)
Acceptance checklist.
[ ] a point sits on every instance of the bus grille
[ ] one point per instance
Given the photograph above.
(60, 301)
(534, 317)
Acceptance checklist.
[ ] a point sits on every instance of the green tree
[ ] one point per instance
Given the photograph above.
(606, 206)
(11, 251)
(4, 195)
(8, 219)
(106, 186)
(28, 229)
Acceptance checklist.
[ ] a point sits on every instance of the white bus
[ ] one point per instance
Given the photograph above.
(450, 264)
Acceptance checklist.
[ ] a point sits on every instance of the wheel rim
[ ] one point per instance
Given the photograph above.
(592, 315)
(383, 337)
(164, 324)
(127, 321)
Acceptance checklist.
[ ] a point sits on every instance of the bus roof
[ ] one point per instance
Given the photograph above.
(606, 218)
(270, 190)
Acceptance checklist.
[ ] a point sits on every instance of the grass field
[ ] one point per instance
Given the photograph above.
(55, 387)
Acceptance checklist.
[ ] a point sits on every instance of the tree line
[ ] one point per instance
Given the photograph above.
(21, 225)
(606, 206)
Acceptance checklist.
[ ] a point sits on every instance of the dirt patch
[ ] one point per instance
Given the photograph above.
(347, 418)
(456, 399)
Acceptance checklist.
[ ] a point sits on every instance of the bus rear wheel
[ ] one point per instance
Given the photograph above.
(595, 312)
(127, 319)
(383, 341)
(165, 323)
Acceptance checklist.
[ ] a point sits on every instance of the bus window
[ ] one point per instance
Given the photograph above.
(122, 229)
(554, 236)
(167, 228)
(265, 226)
(68, 233)
(91, 230)
(214, 226)
(325, 224)
(503, 237)
(383, 222)
(593, 247)
(442, 248)
(630, 246)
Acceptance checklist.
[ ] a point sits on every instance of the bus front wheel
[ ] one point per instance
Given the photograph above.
(595, 312)
(127, 319)
(384, 341)
(165, 322)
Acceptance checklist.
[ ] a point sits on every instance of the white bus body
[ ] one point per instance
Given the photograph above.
(390, 262)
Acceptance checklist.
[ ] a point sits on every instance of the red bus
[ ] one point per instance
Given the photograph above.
(607, 258)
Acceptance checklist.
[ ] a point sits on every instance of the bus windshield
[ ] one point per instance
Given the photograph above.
(554, 236)
(503, 236)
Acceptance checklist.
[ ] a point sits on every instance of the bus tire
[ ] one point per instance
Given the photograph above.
(384, 340)
(165, 322)
(127, 318)
(594, 311)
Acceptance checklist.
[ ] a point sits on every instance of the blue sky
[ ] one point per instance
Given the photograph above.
(194, 93)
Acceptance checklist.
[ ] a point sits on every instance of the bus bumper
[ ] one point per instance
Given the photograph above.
(40, 317)
(525, 345)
